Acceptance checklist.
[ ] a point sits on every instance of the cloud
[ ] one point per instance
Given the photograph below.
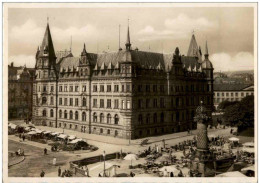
(225, 62)
(31, 33)
(177, 28)
(21, 60)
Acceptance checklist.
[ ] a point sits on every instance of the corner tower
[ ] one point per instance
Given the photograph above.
(45, 83)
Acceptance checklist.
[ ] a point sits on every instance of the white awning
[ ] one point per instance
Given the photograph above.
(38, 131)
(47, 132)
(234, 139)
(75, 141)
(55, 133)
(62, 136)
(31, 133)
(72, 137)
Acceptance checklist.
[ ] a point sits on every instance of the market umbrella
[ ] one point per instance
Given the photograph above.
(131, 157)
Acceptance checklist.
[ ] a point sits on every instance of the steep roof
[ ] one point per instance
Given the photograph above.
(47, 43)
(147, 60)
(231, 87)
(194, 49)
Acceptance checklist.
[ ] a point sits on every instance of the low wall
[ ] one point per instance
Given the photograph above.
(74, 165)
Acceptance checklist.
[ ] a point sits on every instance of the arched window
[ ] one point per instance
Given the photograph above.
(86, 71)
(155, 118)
(162, 117)
(60, 113)
(84, 102)
(51, 112)
(71, 115)
(76, 115)
(95, 117)
(140, 119)
(44, 113)
(44, 100)
(108, 118)
(83, 116)
(116, 119)
(101, 118)
(116, 133)
(65, 114)
(147, 118)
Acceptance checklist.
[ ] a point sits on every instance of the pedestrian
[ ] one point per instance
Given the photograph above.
(23, 137)
(59, 171)
(163, 143)
(99, 175)
(45, 151)
(42, 173)
(131, 174)
(188, 131)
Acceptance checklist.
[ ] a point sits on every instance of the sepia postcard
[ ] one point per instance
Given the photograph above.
(130, 92)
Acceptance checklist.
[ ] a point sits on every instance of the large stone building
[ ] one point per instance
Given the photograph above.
(20, 84)
(126, 94)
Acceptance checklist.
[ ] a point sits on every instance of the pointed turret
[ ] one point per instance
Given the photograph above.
(194, 49)
(84, 52)
(47, 48)
(206, 64)
(128, 43)
(206, 51)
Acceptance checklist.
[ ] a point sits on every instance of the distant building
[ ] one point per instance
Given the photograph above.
(231, 92)
(126, 94)
(20, 84)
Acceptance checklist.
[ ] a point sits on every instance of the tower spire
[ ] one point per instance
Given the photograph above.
(128, 43)
(84, 52)
(206, 51)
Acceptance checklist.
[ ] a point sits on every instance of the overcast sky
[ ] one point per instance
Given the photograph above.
(229, 31)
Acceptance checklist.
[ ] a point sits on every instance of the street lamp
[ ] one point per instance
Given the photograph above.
(104, 157)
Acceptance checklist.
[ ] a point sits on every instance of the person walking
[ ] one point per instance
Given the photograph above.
(42, 173)
(45, 151)
(23, 137)
(59, 171)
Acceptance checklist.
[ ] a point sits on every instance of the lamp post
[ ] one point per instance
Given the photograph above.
(104, 157)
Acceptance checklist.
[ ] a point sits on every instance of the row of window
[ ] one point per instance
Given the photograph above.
(127, 88)
(75, 116)
(233, 94)
(127, 104)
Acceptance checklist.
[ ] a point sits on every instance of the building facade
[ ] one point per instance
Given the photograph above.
(20, 85)
(126, 94)
(231, 92)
